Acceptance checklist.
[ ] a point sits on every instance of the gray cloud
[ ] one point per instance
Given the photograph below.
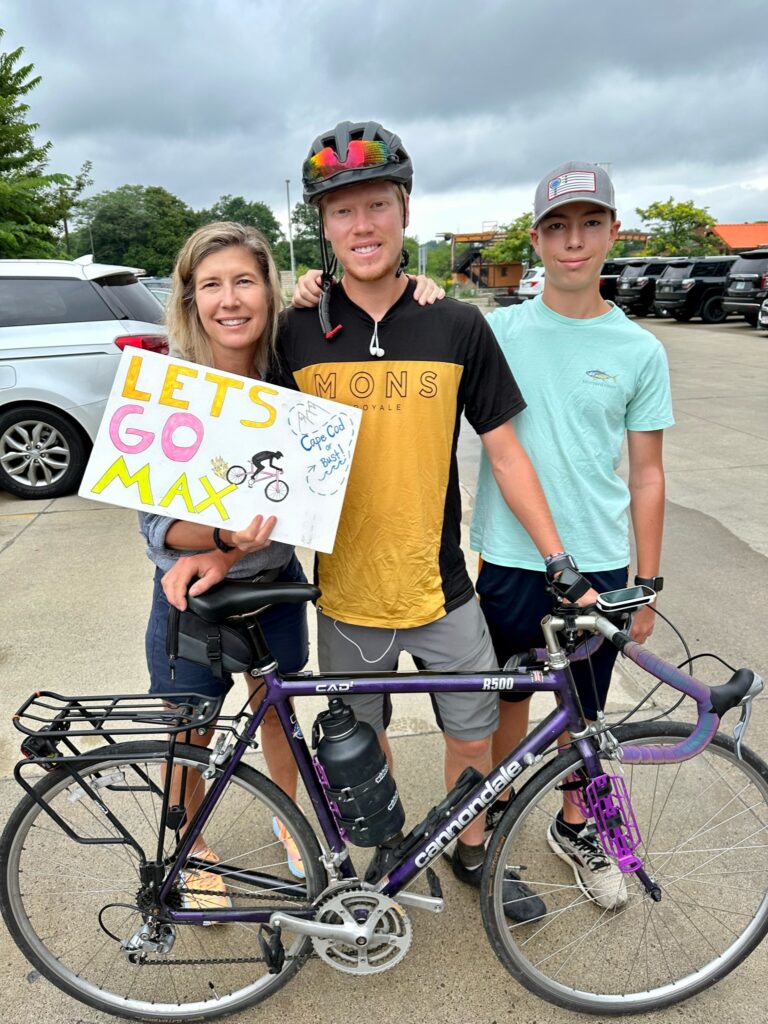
(224, 96)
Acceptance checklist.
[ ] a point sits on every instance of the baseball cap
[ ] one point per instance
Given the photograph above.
(572, 183)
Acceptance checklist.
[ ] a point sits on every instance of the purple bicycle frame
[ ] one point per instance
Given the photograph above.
(279, 694)
(566, 716)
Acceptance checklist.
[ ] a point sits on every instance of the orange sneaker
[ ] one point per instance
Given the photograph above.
(295, 865)
(212, 895)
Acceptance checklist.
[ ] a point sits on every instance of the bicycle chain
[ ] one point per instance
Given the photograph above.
(228, 960)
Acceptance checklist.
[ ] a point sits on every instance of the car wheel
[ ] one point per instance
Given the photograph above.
(42, 454)
(712, 311)
(681, 316)
(751, 318)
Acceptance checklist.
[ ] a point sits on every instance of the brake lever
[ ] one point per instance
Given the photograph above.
(740, 729)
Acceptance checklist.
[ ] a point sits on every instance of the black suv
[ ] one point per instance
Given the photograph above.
(637, 284)
(609, 277)
(747, 285)
(694, 288)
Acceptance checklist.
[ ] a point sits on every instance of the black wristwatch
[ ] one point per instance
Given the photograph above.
(654, 582)
(221, 544)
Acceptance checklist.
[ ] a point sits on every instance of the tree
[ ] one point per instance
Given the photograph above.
(678, 229)
(28, 195)
(138, 225)
(255, 214)
(306, 235)
(67, 200)
(516, 246)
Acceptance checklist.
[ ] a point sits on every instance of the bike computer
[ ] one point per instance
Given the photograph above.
(626, 599)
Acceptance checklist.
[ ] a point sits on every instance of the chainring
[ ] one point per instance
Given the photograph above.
(357, 903)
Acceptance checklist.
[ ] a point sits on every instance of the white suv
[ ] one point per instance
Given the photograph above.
(531, 283)
(63, 326)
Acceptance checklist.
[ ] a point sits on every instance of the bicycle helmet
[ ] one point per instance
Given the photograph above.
(350, 153)
(353, 152)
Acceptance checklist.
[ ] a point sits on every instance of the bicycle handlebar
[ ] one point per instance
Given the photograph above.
(711, 702)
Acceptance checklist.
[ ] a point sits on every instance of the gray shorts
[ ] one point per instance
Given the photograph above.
(459, 642)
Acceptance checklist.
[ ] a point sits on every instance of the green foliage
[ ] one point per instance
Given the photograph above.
(625, 247)
(306, 236)
(678, 229)
(516, 246)
(439, 262)
(28, 195)
(138, 225)
(255, 214)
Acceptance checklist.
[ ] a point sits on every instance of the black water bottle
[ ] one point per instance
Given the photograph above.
(360, 784)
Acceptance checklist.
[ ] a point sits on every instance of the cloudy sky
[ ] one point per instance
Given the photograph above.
(207, 97)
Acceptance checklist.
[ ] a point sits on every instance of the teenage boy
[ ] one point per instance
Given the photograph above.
(591, 377)
(396, 580)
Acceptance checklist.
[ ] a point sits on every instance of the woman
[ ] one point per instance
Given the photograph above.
(223, 312)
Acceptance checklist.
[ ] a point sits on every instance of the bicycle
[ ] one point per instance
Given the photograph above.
(276, 488)
(94, 900)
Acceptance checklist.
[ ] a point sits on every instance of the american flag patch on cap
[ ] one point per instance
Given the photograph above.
(573, 181)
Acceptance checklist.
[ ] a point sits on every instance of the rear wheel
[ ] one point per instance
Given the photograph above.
(712, 311)
(704, 826)
(69, 906)
(236, 475)
(42, 453)
(682, 316)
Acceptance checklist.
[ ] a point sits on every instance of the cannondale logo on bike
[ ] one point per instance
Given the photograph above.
(495, 785)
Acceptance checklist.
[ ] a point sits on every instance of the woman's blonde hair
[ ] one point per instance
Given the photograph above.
(185, 330)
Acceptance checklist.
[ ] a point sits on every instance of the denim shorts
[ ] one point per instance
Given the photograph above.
(284, 626)
(514, 601)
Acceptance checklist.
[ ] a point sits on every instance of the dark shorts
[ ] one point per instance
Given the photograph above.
(514, 601)
(284, 626)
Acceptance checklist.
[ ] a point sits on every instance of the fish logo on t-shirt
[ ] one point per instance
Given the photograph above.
(601, 375)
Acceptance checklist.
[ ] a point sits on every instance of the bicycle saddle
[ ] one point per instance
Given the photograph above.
(242, 597)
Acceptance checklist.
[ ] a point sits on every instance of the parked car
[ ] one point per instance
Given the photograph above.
(762, 317)
(63, 326)
(747, 286)
(609, 278)
(531, 283)
(694, 288)
(635, 289)
(159, 286)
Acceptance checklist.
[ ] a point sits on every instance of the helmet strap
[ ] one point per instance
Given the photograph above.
(329, 269)
(404, 258)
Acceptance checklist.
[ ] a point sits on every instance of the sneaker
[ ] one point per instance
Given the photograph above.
(295, 865)
(521, 904)
(596, 875)
(213, 897)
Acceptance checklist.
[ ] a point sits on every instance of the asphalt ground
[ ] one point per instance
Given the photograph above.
(73, 602)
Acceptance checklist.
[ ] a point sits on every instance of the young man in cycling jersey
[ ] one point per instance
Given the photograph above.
(396, 580)
(591, 377)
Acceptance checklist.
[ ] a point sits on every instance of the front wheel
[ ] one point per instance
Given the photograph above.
(276, 490)
(69, 906)
(704, 826)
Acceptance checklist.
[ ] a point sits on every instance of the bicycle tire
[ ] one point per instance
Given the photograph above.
(704, 825)
(236, 475)
(52, 889)
(276, 490)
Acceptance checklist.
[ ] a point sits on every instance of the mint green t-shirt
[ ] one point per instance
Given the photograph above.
(586, 383)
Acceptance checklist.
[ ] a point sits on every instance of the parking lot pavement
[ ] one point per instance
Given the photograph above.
(75, 594)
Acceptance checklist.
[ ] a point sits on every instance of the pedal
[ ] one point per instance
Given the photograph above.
(272, 948)
(435, 888)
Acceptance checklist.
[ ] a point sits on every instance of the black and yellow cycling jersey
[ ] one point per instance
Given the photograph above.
(397, 560)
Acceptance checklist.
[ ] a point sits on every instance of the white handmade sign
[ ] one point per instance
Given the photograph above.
(211, 447)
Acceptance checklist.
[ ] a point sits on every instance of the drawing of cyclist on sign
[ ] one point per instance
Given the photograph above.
(276, 488)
